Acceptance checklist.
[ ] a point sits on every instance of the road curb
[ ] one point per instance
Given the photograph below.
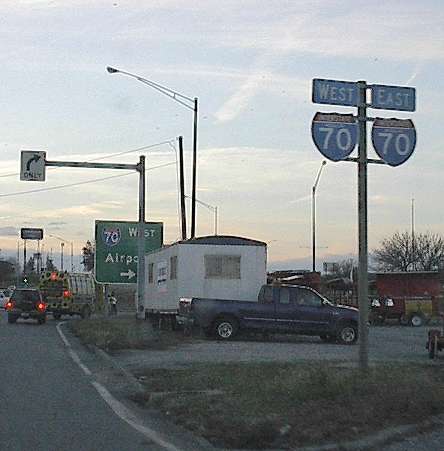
(131, 379)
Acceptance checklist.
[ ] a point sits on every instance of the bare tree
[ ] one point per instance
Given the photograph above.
(88, 252)
(403, 252)
(429, 251)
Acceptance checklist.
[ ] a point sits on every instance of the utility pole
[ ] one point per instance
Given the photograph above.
(193, 194)
(182, 190)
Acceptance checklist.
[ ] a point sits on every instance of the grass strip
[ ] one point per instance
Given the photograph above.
(112, 334)
(273, 405)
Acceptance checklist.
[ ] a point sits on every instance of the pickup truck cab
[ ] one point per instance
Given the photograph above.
(279, 309)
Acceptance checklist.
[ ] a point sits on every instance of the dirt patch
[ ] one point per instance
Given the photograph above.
(288, 405)
(113, 334)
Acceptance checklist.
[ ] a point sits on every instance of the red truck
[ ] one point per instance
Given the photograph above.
(410, 297)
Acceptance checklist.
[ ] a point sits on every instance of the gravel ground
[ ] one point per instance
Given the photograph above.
(386, 343)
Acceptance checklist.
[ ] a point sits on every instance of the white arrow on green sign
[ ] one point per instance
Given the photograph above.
(116, 249)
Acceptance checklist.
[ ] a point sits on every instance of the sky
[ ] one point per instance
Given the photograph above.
(251, 66)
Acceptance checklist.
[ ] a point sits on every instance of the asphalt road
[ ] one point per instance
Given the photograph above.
(48, 403)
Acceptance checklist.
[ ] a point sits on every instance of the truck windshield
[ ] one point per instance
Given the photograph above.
(53, 289)
(26, 295)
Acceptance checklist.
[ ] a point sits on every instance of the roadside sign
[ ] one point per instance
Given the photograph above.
(398, 98)
(116, 249)
(394, 140)
(335, 92)
(31, 234)
(32, 165)
(334, 134)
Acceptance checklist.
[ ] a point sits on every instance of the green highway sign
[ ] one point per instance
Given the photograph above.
(116, 249)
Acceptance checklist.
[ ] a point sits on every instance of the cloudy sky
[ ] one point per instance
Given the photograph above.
(250, 63)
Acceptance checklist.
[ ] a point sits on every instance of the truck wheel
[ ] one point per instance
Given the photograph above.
(347, 334)
(12, 318)
(416, 320)
(56, 315)
(225, 328)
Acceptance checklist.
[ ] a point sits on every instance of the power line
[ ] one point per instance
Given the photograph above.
(139, 149)
(52, 188)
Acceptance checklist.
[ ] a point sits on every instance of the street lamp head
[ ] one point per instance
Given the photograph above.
(324, 162)
(111, 70)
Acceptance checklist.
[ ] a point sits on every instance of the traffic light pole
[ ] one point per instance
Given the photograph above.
(141, 238)
(140, 168)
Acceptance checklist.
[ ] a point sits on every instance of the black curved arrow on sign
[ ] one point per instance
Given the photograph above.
(35, 158)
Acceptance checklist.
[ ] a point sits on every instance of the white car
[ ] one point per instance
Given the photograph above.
(4, 298)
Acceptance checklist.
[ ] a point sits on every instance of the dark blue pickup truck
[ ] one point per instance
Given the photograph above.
(279, 309)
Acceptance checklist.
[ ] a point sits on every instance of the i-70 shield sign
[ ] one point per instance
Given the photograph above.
(394, 140)
(334, 134)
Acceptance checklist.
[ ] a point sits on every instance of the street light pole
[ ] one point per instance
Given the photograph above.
(63, 241)
(313, 215)
(62, 244)
(187, 102)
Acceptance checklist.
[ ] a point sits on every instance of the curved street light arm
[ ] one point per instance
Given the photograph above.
(319, 175)
(163, 89)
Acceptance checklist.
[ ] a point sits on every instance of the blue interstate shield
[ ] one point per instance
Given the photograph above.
(334, 134)
(111, 236)
(394, 140)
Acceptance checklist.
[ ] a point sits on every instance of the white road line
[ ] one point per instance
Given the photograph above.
(62, 335)
(76, 359)
(129, 417)
(71, 352)
(117, 407)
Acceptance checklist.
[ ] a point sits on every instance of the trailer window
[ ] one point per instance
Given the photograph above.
(222, 267)
(173, 267)
(151, 273)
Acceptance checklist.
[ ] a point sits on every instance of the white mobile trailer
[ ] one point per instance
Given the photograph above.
(218, 266)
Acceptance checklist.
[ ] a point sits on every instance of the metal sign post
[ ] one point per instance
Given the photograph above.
(335, 136)
(362, 228)
(141, 239)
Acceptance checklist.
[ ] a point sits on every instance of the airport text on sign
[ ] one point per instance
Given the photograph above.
(116, 256)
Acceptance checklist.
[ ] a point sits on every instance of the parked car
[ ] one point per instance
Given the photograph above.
(4, 298)
(279, 309)
(26, 303)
